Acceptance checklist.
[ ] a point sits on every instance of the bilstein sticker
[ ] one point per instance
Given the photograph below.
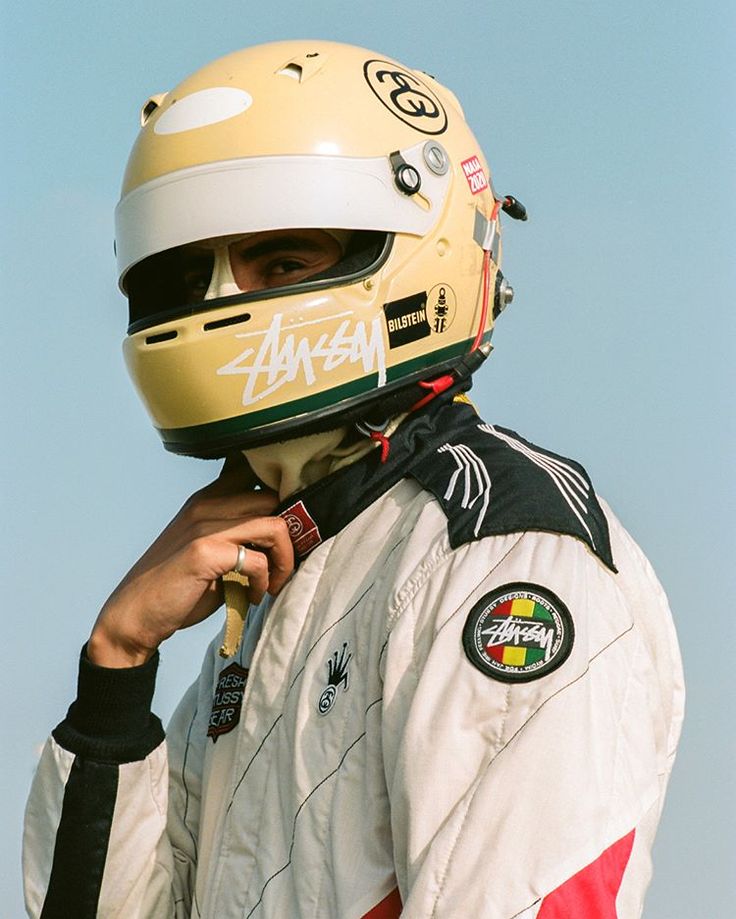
(474, 175)
(406, 96)
(406, 320)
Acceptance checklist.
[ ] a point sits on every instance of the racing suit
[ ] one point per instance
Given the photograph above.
(466, 701)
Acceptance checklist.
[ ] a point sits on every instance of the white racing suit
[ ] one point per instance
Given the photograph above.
(465, 702)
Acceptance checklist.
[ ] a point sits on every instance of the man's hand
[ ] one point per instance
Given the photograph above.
(176, 583)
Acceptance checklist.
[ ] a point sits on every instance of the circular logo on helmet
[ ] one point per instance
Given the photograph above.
(406, 96)
(518, 632)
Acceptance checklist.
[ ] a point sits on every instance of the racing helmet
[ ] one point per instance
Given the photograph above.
(304, 136)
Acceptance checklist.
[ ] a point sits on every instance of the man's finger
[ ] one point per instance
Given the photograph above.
(271, 535)
(253, 564)
(220, 506)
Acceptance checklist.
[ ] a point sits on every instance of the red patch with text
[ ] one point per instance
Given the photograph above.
(303, 530)
(227, 701)
(474, 175)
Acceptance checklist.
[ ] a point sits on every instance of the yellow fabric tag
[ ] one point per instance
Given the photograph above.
(236, 611)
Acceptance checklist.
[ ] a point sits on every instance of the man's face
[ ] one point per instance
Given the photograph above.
(258, 261)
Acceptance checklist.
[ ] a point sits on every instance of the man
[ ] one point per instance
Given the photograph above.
(466, 697)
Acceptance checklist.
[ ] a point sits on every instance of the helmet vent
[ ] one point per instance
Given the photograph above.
(291, 70)
(151, 105)
(161, 336)
(221, 323)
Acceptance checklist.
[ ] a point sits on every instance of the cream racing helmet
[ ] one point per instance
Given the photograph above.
(307, 136)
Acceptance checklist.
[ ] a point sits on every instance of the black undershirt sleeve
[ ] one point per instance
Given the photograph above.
(110, 723)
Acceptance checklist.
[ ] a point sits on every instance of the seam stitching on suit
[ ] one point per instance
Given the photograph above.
(504, 747)
(303, 805)
(288, 691)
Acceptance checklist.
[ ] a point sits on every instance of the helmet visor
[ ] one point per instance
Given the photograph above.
(260, 193)
(206, 274)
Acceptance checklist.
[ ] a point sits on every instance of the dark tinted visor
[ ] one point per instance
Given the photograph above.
(173, 283)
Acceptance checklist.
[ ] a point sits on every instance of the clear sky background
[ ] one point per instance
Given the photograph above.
(612, 122)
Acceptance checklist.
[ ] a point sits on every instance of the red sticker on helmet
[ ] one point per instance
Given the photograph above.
(474, 175)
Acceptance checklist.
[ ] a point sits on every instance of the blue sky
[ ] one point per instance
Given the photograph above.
(613, 123)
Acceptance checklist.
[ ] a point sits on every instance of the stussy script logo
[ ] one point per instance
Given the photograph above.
(284, 355)
(508, 630)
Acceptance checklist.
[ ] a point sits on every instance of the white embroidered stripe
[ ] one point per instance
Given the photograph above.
(565, 478)
(466, 460)
(575, 477)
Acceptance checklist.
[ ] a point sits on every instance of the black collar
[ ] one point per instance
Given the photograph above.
(487, 479)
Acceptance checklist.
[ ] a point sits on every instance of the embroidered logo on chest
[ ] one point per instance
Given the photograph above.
(337, 676)
(227, 701)
(518, 632)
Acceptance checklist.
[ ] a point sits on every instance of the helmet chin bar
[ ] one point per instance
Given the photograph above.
(386, 402)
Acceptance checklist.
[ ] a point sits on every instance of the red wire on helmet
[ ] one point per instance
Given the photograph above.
(443, 383)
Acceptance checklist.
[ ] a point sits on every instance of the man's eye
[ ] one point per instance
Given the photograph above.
(286, 266)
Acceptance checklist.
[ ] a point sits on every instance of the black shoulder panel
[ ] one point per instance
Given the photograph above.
(490, 481)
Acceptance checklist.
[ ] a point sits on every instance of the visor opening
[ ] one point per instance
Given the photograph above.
(172, 284)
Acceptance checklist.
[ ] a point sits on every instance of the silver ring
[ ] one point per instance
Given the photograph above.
(240, 563)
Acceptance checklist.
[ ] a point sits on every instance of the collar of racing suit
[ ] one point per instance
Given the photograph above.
(487, 480)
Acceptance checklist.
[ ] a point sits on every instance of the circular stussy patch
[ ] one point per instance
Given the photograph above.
(518, 632)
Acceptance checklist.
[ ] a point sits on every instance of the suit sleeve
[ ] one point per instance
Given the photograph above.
(537, 797)
(96, 841)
